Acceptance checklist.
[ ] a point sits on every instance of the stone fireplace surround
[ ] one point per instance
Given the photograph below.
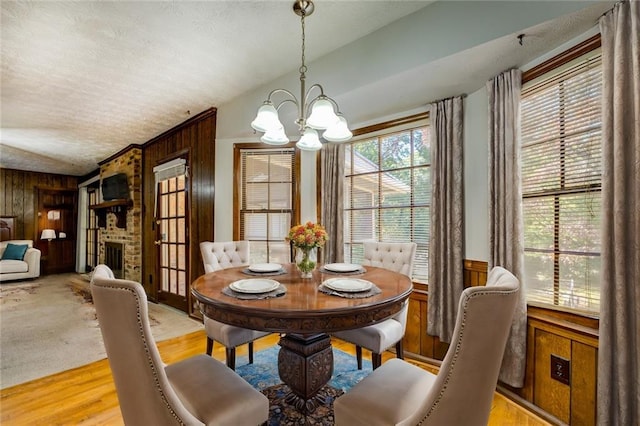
(128, 162)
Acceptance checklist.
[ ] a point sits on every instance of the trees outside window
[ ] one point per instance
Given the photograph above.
(388, 191)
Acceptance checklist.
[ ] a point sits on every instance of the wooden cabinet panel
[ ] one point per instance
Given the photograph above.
(583, 384)
(416, 340)
(412, 341)
(549, 394)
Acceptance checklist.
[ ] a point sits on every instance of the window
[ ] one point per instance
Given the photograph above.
(561, 181)
(266, 196)
(388, 191)
(92, 227)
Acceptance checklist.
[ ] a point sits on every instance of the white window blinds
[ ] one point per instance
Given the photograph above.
(266, 202)
(170, 169)
(561, 181)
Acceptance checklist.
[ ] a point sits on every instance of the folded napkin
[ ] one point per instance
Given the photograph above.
(351, 294)
(280, 291)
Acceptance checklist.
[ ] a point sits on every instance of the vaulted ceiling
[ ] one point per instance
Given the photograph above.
(82, 80)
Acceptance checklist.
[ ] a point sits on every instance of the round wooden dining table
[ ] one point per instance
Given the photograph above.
(304, 316)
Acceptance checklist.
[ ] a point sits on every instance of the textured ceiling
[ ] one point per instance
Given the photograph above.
(82, 80)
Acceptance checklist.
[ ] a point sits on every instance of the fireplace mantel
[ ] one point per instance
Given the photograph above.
(118, 207)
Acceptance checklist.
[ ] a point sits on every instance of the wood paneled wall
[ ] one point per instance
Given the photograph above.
(18, 197)
(571, 337)
(194, 139)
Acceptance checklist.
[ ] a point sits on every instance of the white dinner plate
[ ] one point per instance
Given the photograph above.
(350, 285)
(342, 267)
(254, 285)
(265, 267)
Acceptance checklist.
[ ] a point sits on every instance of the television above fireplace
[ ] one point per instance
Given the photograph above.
(115, 187)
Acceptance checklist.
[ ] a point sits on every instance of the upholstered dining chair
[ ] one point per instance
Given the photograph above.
(399, 393)
(379, 337)
(217, 256)
(196, 391)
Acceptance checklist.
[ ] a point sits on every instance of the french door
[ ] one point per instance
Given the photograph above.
(171, 241)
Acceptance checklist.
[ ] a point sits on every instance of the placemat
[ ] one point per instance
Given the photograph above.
(351, 295)
(280, 291)
(247, 271)
(326, 271)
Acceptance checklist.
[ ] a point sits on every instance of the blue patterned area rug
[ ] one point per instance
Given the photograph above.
(263, 375)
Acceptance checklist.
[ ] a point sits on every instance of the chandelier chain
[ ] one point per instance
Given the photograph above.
(303, 67)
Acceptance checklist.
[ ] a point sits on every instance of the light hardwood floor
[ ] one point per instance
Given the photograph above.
(86, 395)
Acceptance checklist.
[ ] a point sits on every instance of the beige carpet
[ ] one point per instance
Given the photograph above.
(47, 327)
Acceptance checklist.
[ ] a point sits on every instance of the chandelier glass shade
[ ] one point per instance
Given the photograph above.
(320, 113)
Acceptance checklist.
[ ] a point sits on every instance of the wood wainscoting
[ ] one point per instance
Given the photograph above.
(562, 353)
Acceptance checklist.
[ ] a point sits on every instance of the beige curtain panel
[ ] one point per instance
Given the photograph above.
(332, 178)
(446, 245)
(506, 229)
(618, 353)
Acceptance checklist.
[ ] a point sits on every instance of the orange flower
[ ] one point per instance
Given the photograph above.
(307, 236)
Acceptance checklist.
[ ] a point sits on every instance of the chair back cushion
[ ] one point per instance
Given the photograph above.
(102, 271)
(463, 391)
(397, 257)
(223, 255)
(144, 393)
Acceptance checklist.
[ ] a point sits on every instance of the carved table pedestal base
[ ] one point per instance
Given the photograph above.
(305, 364)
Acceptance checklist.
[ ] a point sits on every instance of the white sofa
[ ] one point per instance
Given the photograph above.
(29, 267)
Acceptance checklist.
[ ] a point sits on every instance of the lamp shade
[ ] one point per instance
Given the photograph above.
(309, 141)
(48, 234)
(322, 114)
(275, 137)
(339, 132)
(266, 119)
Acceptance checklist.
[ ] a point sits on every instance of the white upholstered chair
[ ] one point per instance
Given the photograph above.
(399, 393)
(222, 255)
(196, 391)
(379, 337)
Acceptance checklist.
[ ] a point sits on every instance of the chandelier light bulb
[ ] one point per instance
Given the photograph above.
(339, 132)
(309, 141)
(322, 115)
(267, 118)
(275, 137)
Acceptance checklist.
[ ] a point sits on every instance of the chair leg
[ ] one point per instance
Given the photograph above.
(231, 358)
(209, 346)
(250, 352)
(399, 350)
(359, 356)
(376, 360)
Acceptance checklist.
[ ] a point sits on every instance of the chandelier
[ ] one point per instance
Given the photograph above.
(325, 114)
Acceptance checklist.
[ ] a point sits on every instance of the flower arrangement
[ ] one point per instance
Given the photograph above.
(307, 237)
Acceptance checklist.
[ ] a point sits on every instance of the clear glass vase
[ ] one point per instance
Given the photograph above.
(306, 261)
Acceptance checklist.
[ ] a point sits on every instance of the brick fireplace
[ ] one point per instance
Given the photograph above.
(121, 245)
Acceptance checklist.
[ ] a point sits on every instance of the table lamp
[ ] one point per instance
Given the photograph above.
(48, 234)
